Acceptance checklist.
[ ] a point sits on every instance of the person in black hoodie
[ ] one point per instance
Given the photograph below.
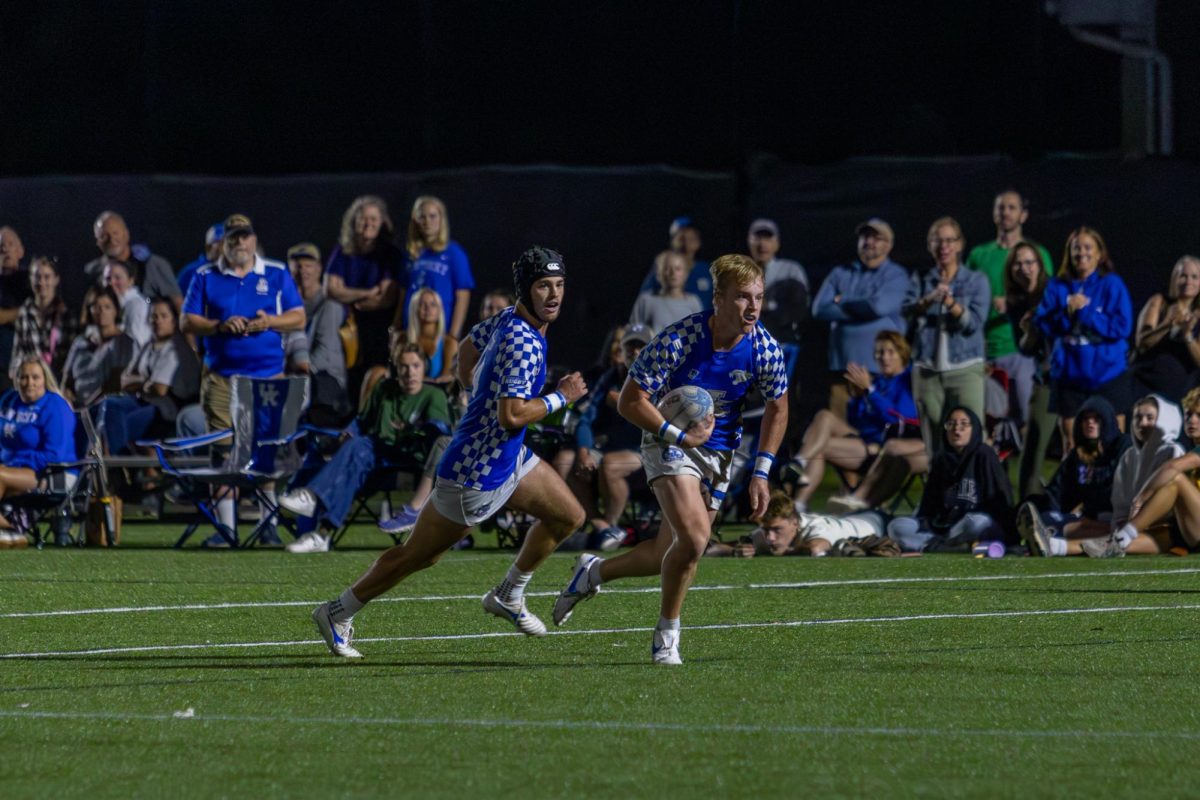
(1077, 503)
(967, 497)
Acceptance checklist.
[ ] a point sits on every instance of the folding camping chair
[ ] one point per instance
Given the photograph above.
(266, 421)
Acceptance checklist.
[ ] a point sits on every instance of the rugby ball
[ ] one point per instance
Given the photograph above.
(685, 405)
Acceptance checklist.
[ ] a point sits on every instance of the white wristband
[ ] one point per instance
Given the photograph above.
(554, 402)
(763, 463)
(670, 434)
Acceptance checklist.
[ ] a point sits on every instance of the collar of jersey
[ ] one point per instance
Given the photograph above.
(259, 267)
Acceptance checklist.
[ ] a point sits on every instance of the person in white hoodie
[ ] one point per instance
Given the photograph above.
(1171, 488)
(1156, 424)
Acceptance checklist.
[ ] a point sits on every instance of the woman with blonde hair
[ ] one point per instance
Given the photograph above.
(37, 428)
(659, 309)
(433, 260)
(1166, 351)
(427, 329)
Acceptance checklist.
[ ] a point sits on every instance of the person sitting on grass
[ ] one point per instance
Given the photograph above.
(1172, 488)
(1077, 503)
(881, 407)
(390, 431)
(37, 428)
(967, 497)
(787, 532)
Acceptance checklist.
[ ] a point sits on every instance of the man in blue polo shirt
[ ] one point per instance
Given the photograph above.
(240, 305)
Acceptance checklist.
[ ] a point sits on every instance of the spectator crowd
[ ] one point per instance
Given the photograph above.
(945, 378)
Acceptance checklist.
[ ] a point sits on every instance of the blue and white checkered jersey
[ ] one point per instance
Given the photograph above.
(682, 355)
(512, 363)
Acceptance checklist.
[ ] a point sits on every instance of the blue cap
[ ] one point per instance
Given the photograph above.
(679, 223)
(214, 234)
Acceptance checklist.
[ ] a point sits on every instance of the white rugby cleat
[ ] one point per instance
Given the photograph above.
(516, 613)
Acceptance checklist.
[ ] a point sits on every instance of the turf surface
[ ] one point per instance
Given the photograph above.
(941, 675)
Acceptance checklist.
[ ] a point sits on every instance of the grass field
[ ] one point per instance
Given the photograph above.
(153, 672)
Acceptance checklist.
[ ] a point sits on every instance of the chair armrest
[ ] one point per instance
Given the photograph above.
(189, 443)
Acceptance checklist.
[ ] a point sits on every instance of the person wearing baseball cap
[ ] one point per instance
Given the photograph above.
(859, 300)
(786, 293)
(212, 251)
(684, 238)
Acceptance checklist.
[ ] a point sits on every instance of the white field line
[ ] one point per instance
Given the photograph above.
(601, 631)
(641, 590)
(599, 725)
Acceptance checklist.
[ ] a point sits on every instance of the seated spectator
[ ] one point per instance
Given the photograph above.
(788, 532)
(881, 407)
(391, 431)
(1086, 315)
(435, 261)
(1172, 488)
(330, 402)
(684, 238)
(135, 311)
(947, 307)
(1077, 503)
(967, 496)
(14, 290)
(151, 273)
(45, 327)
(607, 446)
(37, 428)
(1166, 353)
(212, 251)
(494, 302)
(100, 354)
(427, 329)
(163, 377)
(670, 303)
(858, 301)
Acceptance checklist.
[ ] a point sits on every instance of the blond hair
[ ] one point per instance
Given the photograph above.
(1172, 288)
(660, 265)
(414, 323)
(1191, 400)
(780, 506)
(387, 230)
(416, 241)
(47, 375)
(733, 270)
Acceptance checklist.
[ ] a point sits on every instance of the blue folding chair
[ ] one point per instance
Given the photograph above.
(61, 490)
(266, 416)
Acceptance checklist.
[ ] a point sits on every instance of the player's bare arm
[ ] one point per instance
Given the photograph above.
(634, 405)
(515, 413)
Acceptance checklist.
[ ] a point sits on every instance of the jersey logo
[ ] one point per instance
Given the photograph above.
(739, 376)
(262, 287)
(693, 374)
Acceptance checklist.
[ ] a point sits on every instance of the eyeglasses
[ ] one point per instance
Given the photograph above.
(940, 242)
(961, 425)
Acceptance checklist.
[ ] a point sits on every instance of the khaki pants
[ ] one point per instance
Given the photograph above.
(215, 395)
(937, 392)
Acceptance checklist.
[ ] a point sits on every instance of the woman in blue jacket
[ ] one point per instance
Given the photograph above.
(1087, 316)
(37, 427)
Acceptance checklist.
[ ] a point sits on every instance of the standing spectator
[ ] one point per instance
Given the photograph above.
(135, 311)
(1024, 284)
(1166, 350)
(1087, 315)
(362, 273)
(434, 260)
(14, 290)
(323, 316)
(427, 329)
(786, 297)
(36, 428)
(45, 328)
(1009, 213)
(671, 303)
(494, 302)
(100, 354)
(858, 301)
(685, 239)
(241, 305)
(948, 306)
(152, 273)
(212, 251)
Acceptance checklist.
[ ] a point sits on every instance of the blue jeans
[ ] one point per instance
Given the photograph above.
(337, 482)
(124, 420)
(974, 527)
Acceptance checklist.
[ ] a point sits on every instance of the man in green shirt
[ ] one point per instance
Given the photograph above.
(393, 430)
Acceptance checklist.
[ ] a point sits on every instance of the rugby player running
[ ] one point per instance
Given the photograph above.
(487, 466)
(725, 351)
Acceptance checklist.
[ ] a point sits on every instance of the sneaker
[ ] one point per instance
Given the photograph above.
(337, 635)
(301, 502)
(465, 543)
(1033, 531)
(311, 542)
(579, 588)
(516, 613)
(665, 649)
(1107, 547)
(611, 538)
(403, 522)
(219, 542)
(844, 504)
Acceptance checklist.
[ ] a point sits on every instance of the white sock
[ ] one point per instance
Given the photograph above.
(345, 607)
(594, 579)
(227, 512)
(512, 588)
(800, 506)
(665, 624)
(1058, 547)
(1125, 535)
